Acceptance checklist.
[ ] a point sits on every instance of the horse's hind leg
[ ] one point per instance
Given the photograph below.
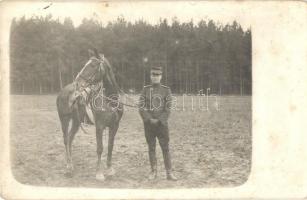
(99, 131)
(112, 132)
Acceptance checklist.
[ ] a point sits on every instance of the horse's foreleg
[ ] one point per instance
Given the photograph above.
(112, 133)
(99, 131)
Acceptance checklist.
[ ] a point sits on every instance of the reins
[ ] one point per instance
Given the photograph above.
(115, 101)
(135, 105)
(89, 82)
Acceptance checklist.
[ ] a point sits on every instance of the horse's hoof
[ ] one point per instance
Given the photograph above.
(69, 174)
(110, 171)
(100, 176)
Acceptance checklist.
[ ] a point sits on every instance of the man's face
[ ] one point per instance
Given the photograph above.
(155, 78)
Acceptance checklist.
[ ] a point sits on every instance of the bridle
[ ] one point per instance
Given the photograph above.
(90, 80)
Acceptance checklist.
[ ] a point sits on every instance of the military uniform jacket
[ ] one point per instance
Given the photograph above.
(155, 102)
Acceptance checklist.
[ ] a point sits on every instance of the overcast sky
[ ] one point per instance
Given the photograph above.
(150, 11)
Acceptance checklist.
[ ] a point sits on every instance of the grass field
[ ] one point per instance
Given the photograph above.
(209, 148)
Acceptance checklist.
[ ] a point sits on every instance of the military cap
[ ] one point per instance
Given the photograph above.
(156, 70)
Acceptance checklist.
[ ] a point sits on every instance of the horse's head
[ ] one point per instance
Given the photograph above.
(110, 76)
(93, 71)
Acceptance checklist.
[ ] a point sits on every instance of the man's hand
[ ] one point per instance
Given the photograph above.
(154, 121)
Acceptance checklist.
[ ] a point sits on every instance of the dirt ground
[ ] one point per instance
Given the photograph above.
(208, 148)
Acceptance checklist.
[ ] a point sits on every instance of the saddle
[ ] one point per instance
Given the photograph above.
(85, 95)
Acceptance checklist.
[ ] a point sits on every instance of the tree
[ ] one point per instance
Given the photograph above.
(46, 54)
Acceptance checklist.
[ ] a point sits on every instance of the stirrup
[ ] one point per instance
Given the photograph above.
(84, 124)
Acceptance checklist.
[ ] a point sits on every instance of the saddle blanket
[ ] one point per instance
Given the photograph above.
(90, 114)
(85, 95)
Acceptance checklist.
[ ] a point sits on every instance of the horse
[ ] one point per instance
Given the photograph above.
(104, 103)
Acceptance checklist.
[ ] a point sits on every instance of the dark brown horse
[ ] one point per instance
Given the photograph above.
(105, 105)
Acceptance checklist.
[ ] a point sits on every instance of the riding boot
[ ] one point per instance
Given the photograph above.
(170, 175)
(153, 164)
(168, 165)
(153, 174)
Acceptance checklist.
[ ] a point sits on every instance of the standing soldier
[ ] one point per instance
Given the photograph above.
(154, 108)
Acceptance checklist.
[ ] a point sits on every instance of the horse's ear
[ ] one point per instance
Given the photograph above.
(96, 53)
(101, 56)
(91, 53)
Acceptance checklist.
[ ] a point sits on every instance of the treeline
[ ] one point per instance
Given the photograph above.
(46, 54)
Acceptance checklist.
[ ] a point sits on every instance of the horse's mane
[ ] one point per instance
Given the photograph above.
(111, 88)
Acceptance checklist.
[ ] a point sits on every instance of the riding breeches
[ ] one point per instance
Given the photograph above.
(160, 131)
